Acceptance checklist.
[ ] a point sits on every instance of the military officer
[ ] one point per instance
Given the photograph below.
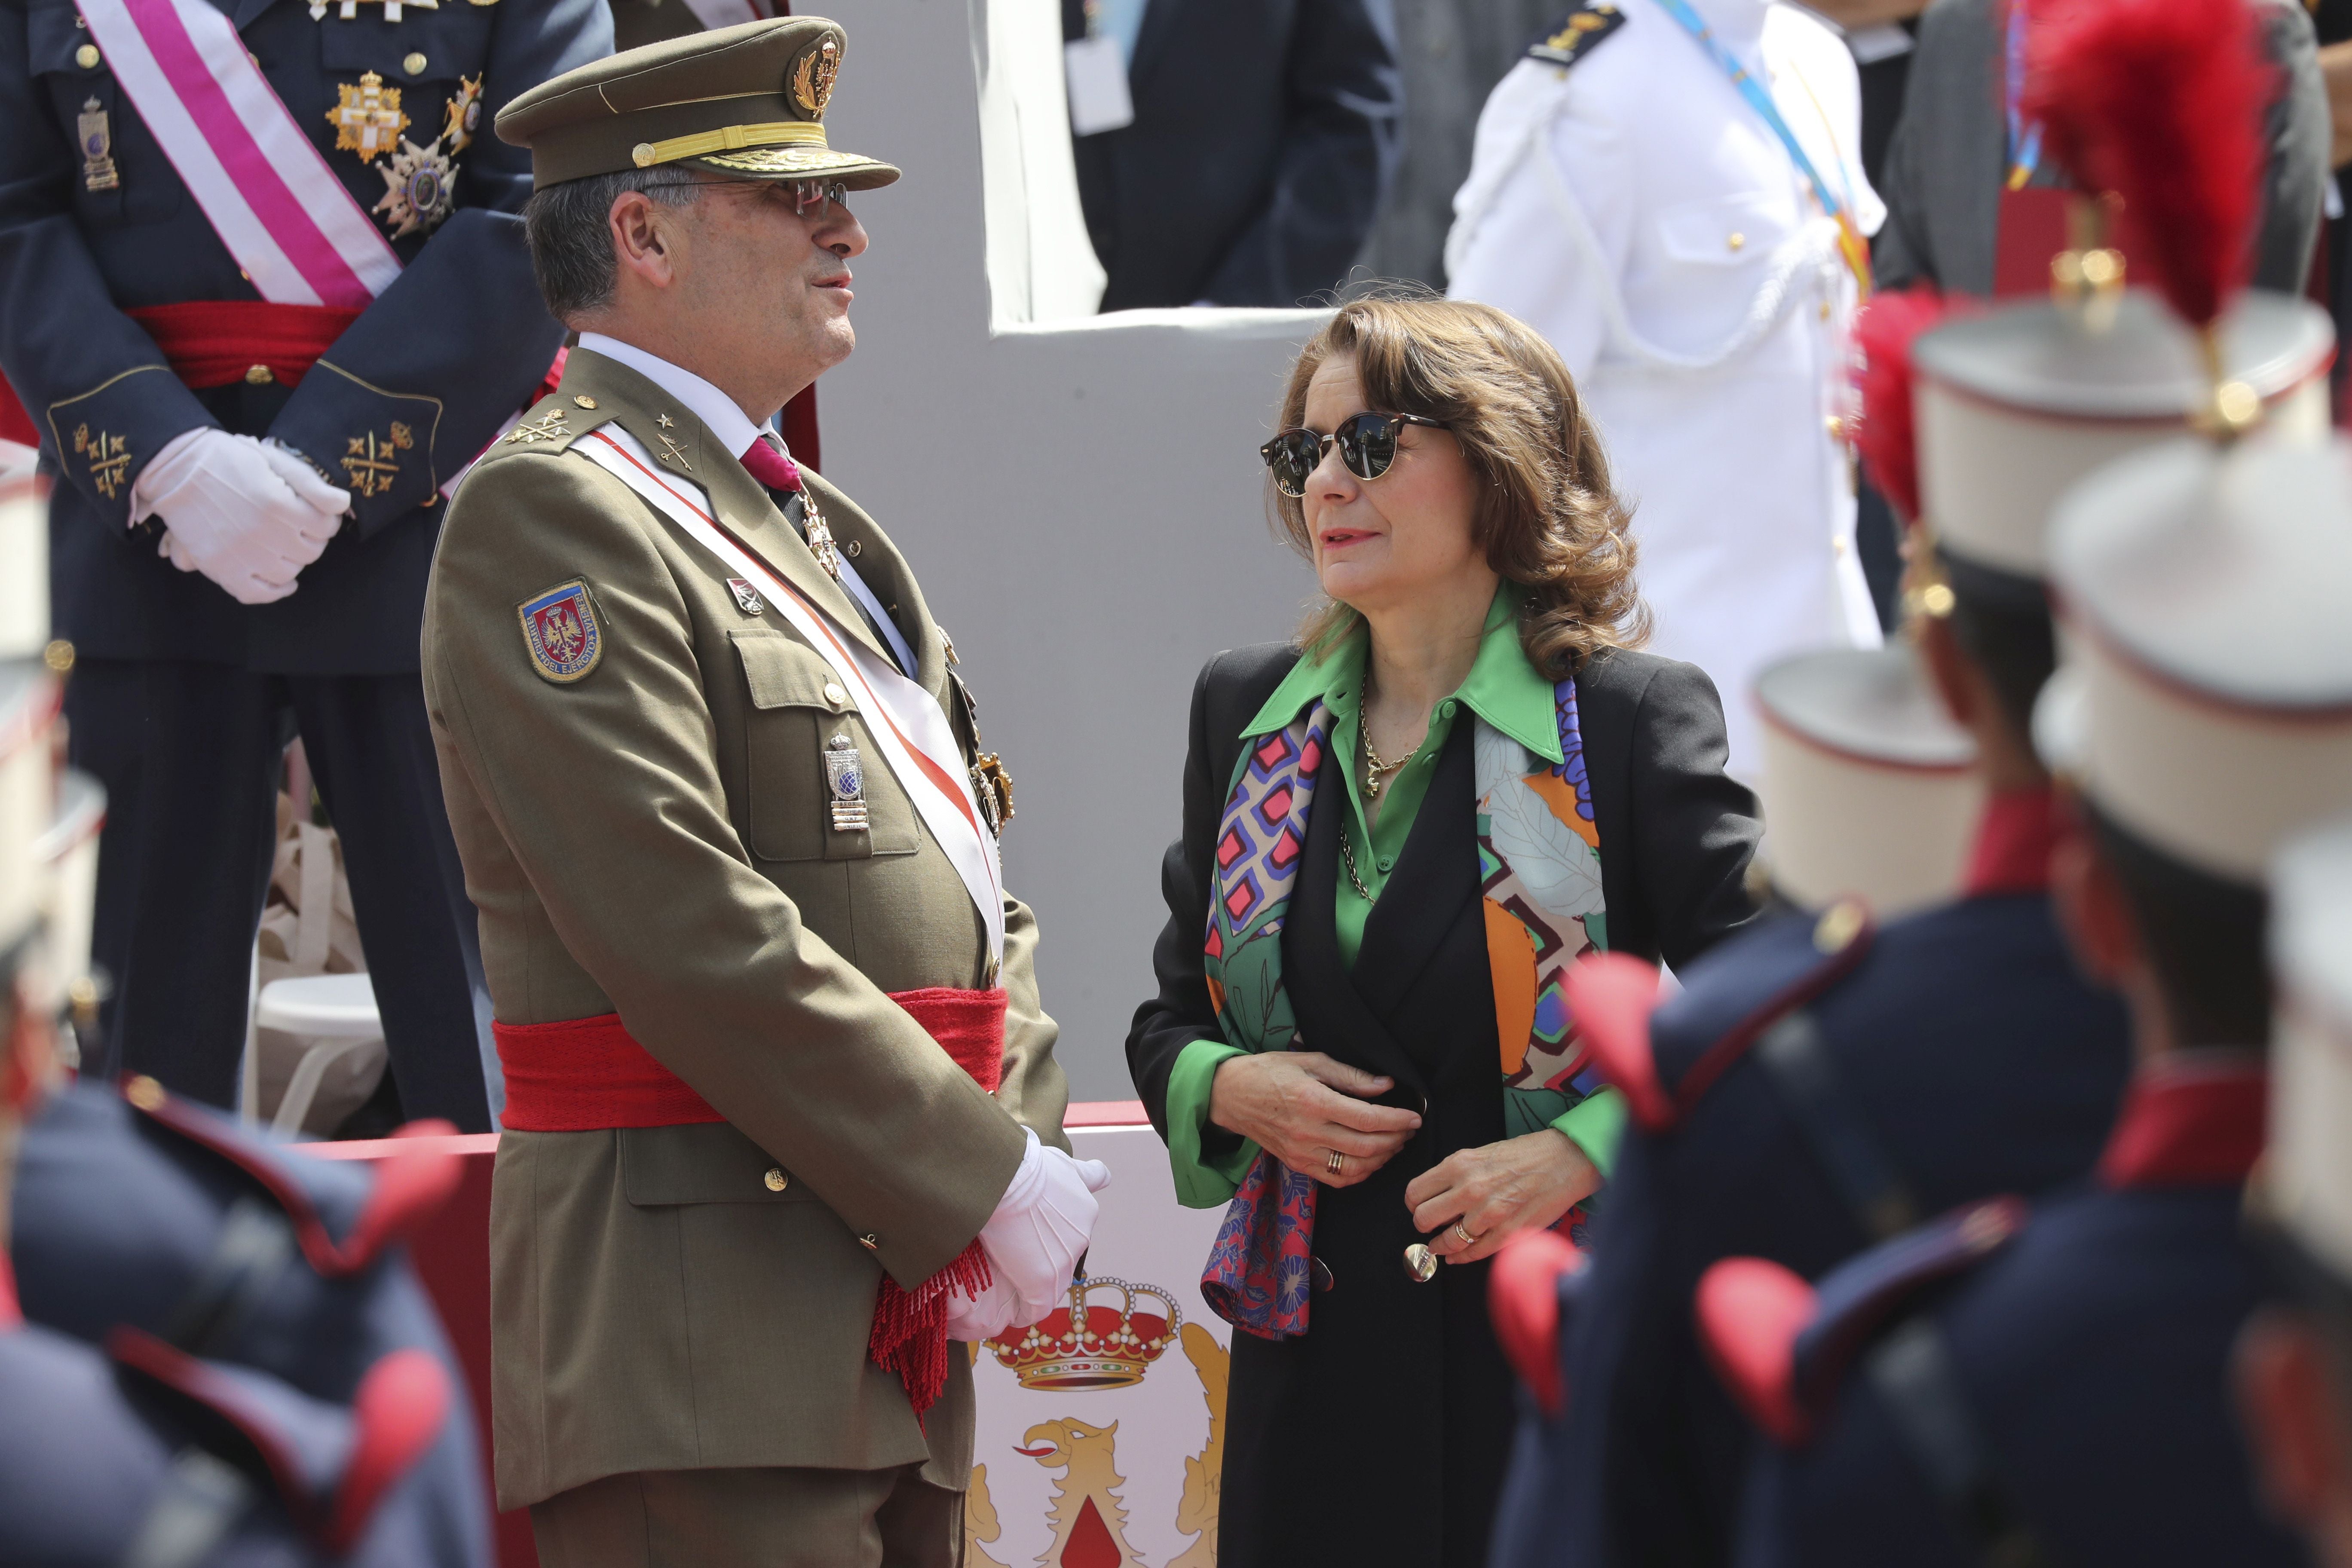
(1823, 1084)
(1672, 191)
(783, 1111)
(270, 295)
(2293, 1364)
(2069, 1402)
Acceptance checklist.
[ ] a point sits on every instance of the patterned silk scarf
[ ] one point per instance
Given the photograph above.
(1540, 875)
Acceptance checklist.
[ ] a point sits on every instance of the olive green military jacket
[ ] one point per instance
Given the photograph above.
(652, 838)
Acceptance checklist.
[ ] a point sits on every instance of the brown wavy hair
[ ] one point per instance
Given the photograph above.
(1547, 517)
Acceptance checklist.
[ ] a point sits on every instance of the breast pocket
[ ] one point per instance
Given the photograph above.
(121, 176)
(800, 711)
(428, 50)
(1726, 235)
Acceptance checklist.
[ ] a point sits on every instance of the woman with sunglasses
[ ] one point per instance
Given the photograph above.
(1400, 829)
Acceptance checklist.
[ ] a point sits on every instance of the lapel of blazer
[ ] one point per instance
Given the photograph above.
(683, 448)
(893, 582)
(1311, 960)
(1436, 875)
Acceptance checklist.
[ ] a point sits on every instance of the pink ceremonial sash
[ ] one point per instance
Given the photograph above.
(261, 182)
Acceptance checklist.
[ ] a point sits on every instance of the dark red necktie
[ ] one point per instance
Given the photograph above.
(765, 461)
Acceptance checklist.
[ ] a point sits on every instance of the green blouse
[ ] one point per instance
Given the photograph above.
(1504, 690)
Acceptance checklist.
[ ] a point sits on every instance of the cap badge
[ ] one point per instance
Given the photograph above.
(560, 629)
(812, 77)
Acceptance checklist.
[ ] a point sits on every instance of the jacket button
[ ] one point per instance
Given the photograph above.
(835, 694)
(1734, 240)
(870, 1242)
(776, 1179)
(414, 65)
(258, 375)
(85, 57)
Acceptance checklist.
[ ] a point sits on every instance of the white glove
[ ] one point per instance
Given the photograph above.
(987, 1315)
(1042, 1225)
(246, 515)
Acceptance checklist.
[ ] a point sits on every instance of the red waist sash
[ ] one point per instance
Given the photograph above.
(215, 342)
(585, 1075)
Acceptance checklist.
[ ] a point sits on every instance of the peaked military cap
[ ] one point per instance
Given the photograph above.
(743, 103)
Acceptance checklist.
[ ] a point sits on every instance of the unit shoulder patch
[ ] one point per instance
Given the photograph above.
(559, 627)
(1579, 35)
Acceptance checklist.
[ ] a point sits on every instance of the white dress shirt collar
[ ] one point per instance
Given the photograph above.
(726, 420)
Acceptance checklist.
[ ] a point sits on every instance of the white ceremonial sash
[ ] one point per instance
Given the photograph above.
(905, 721)
(262, 183)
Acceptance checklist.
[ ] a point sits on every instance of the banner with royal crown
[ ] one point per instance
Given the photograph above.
(1101, 1429)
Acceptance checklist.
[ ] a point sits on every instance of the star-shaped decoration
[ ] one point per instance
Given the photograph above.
(663, 420)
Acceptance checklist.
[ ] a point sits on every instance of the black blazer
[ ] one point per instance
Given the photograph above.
(1265, 135)
(1677, 834)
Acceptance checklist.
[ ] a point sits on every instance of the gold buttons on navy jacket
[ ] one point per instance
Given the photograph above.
(776, 1179)
(414, 65)
(85, 57)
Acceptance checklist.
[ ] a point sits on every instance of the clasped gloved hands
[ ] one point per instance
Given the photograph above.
(1034, 1241)
(247, 515)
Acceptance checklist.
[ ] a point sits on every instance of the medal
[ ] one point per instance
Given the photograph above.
(417, 189)
(819, 536)
(97, 148)
(845, 780)
(367, 117)
(463, 116)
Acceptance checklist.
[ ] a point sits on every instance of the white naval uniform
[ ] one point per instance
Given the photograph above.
(1636, 210)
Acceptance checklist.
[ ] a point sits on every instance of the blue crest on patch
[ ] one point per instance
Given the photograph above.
(560, 628)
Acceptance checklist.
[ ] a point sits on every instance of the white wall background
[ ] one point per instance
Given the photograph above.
(1080, 495)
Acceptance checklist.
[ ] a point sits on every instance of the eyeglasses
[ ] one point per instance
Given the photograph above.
(807, 193)
(1367, 445)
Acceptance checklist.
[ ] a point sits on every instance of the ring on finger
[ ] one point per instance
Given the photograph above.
(1462, 1235)
(1334, 1163)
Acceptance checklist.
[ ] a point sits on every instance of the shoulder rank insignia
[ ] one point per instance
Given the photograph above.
(560, 628)
(1585, 27)
(747, 598)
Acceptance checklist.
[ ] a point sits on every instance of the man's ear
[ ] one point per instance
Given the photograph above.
(2091, 907)
(2296, 1427)
(648, 241)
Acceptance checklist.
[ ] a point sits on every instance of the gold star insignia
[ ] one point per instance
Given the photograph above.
(663, 420)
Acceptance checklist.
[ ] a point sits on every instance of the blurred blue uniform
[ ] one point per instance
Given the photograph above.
(179, 700)
(1806, 1103)
(166, 1220)
(2067, 1403)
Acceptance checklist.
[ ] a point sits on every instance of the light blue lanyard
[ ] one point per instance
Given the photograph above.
(1760, 102)
(2025, 140)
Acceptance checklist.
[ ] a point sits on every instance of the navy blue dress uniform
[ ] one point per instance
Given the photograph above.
(1819, 1083)
(155, 1224)
(2066, 1402)
(128, 323)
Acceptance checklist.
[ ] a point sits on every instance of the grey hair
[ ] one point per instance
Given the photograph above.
(568, 225)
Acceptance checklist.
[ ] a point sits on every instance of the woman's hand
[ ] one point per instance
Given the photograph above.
(1302, 1107)
(1520, 1183)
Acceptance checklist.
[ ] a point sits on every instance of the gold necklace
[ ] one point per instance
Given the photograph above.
(1374, 768)
(1348, 857)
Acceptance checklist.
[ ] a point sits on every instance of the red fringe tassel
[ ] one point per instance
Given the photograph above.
(911, 1327)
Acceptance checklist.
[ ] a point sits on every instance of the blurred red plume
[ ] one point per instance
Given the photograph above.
(1883, 435)
(2163, 102)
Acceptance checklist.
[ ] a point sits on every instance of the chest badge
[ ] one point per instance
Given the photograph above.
(97, 148)
(463, 114)
(367, 117)
(418, 188)
(560, 629)
(747, 598)
(844, 777)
